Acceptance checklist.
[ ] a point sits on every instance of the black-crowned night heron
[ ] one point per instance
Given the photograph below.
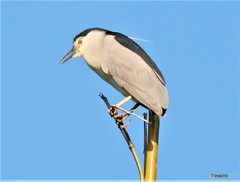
(124, 64)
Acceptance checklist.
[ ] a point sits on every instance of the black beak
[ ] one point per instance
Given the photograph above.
(68, 56)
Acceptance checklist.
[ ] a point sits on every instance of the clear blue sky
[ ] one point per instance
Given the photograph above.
(55, 126)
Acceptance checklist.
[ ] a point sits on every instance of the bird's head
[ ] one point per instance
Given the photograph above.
(83, 41)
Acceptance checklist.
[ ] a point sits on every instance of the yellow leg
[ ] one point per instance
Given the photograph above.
(124, 101)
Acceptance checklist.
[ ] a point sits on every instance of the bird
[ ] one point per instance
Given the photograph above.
(122, 63)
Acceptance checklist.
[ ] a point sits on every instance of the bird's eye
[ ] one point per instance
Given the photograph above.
(74, 39)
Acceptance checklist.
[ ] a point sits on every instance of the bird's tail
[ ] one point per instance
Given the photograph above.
(164, 111)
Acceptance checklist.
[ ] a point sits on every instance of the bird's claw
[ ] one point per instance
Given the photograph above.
(113, 111)
(119, 118)
(120, 123)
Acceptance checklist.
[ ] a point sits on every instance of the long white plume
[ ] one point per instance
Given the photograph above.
(144, 40)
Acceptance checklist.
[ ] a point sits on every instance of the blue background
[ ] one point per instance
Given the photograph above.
(55, 126)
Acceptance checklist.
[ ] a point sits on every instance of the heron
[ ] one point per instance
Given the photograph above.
(122, 63)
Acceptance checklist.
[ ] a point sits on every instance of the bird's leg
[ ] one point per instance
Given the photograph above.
(131, 113)
(124, 101)
(125, 116)
(113, 109)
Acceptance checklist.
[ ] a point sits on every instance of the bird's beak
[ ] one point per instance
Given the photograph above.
(68, 56)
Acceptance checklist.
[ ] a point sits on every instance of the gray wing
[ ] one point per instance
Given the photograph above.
(136, 75)
(134, 47)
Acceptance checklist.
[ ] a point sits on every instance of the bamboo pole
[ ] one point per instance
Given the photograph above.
(151, 153)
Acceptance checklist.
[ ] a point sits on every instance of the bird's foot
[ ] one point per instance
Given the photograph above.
(113, 111)
(121, 125)
(120, 122)
(119, 118)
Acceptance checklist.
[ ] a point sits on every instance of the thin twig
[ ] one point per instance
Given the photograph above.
(127, 138)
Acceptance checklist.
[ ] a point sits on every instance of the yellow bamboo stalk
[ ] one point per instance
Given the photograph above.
(151, 153)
